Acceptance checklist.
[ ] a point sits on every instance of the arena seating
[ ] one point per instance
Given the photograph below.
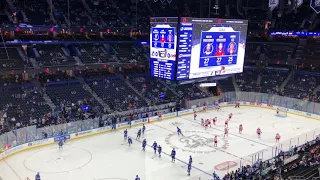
(300, 86)
(247, 81)
(12, 60)
(36, 11)
(129, 52)
(94, 54)
(272, 79)
(22, 104)
(52, 55)
(226, 85)
(152, 89)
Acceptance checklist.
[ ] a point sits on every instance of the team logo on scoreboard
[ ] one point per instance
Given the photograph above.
(196, 142)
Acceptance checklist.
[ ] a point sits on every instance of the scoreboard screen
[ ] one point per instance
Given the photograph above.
(163, 47)
(210, 47)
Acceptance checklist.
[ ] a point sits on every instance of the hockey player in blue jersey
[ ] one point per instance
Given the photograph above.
(143, 128)
(129, 141)
(138, 134)
(155, 145)
(125, 134)
(189, 169)
(173, 155)
(38, 176)
(190, 160)
(144, 144)
(137, 178)
(179, 131)
(159, 150)
(60, 144)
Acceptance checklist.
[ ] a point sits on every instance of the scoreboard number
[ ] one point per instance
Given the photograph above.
(206, 61)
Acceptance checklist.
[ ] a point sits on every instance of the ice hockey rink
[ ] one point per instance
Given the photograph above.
(108, 157)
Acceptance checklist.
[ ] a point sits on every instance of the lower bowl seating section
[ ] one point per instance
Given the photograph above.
(22, 103)
(247, 81)
(271, 80)
(300, 86)
(152, 89)
(226, 85)
(72, 95)
(188, 91)
(52, 55)
(116, 93)
(94, 54)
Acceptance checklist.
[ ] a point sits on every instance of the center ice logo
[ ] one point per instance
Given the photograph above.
(196, 142)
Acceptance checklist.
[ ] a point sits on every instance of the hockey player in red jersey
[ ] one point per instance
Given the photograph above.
(160, 116)
(226, 123)
(230, 115)
(217, 107)
(214, 120)
(259, 132)
(215, 141)
(277, 137)
(194, 115)
(226, 132)
(204, 109)
(240, 129)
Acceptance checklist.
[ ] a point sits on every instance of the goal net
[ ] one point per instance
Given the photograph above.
(282, 112)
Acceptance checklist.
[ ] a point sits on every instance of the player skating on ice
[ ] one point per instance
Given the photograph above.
(125, 134)
(230, 116)
(60, 144)
(130, 123)
(173, 155)
(37, 176)
(190, 159)
(226, 123)
(202, 122)
(277, 137)
(160, 116)
(143, 128)
(129, 141)
(240, 129)
(138, 134)
(194, 115)
(159, 150)
(179, 131)
(137, 178)
(215, 141)
(207, 123)
(155, 145)
(214, 120)
(278, 110)
(226, 132)
(217, 107)
(144, 144)
(189, 169)
(259, 132)
(204, 108)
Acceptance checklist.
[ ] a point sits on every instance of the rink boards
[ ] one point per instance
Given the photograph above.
(83, 134)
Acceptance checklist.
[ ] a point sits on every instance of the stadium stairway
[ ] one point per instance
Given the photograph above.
(45, 95)
(285, 82)
(133, 88)
(234, 82)
(94, 94)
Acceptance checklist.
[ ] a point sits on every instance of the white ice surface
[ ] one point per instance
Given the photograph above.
(108, 157)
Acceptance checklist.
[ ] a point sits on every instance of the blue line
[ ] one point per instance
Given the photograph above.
(177, 159)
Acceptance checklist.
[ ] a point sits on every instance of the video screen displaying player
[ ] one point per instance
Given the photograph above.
(220, 50)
